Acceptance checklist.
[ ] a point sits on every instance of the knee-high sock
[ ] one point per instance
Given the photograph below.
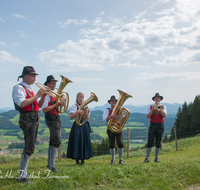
(112, 153)
(148, 152)
(49, 155)
(23, 166)
(157, 150)
(53, 156)
(120, 151)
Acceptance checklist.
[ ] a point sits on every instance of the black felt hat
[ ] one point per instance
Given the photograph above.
(27, 70)
(49, 79)
(112, 98)
(157, 95)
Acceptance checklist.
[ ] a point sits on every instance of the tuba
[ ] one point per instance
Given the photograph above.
(64, 96)
(60, 95)
(81, 119)
(116, 125)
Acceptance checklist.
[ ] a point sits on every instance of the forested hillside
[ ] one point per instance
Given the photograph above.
(137, 123)
(187, 122)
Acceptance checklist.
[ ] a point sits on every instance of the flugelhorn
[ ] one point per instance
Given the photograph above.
(49, 92)
(116, 125)
(60, 95)
(81, 119)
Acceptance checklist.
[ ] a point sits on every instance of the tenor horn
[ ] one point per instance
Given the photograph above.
(81, 119)
(60, 95)
(116, 125)
(64, 96)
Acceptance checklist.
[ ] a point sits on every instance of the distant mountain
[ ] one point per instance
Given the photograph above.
(5, 109)
(171, 108)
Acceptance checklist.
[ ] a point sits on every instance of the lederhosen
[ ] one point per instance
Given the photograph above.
(53, 122)
(156, 128)
(111, 136)
(29, 122)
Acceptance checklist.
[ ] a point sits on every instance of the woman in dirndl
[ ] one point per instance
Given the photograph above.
(79, 144)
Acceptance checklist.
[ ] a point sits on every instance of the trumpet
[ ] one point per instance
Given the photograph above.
(60, 95)
(157, 107)
(80, 120)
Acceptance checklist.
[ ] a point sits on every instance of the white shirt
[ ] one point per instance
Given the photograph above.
(105, 114)
(19, 93)
(73, 108)
(164, 109)
(46, 102)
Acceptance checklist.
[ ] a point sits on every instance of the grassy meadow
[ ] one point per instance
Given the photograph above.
(177, 170)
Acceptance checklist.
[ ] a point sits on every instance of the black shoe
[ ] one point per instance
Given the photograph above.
(54, 169)
(77, 162)
(82, 162)
(47, 166)
(157, 160)
(146, 160)
(121, 162)
(112, 161)
(23, 180)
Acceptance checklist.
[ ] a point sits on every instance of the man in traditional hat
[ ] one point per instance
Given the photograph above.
(53, 122)
(156, 113)
(28, 105)
(107, 115)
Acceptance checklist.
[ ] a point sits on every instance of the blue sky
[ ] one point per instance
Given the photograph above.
(140, 47)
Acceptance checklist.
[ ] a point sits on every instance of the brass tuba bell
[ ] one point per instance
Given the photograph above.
(64, 96)
(81, 119)
(116, 125)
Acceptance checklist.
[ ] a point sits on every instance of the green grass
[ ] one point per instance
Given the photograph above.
(135, 123)
(15, 120)
(177, 170)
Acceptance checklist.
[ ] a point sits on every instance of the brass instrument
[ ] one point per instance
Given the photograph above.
(116, 125)
(81, 119)
(49, 92)
(157, 107)
(60, 95)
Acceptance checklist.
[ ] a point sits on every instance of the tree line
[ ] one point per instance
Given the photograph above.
(187, 121)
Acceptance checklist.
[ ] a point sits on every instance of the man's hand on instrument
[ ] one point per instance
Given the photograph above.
(114, 116)
(41, 91)
(61, 103)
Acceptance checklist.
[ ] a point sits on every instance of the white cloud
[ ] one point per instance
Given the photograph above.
(70, 21)
(20, 16)
(164, 1)
(187, 9)
(6, 57)
(3, 43)
(122, 42)
(84, 80)
(102, 13)
(130, 65)
(165, 78)
(2, 20)
(22, 34)
(184, 58)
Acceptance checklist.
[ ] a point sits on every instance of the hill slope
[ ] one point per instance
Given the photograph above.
(177, 170)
